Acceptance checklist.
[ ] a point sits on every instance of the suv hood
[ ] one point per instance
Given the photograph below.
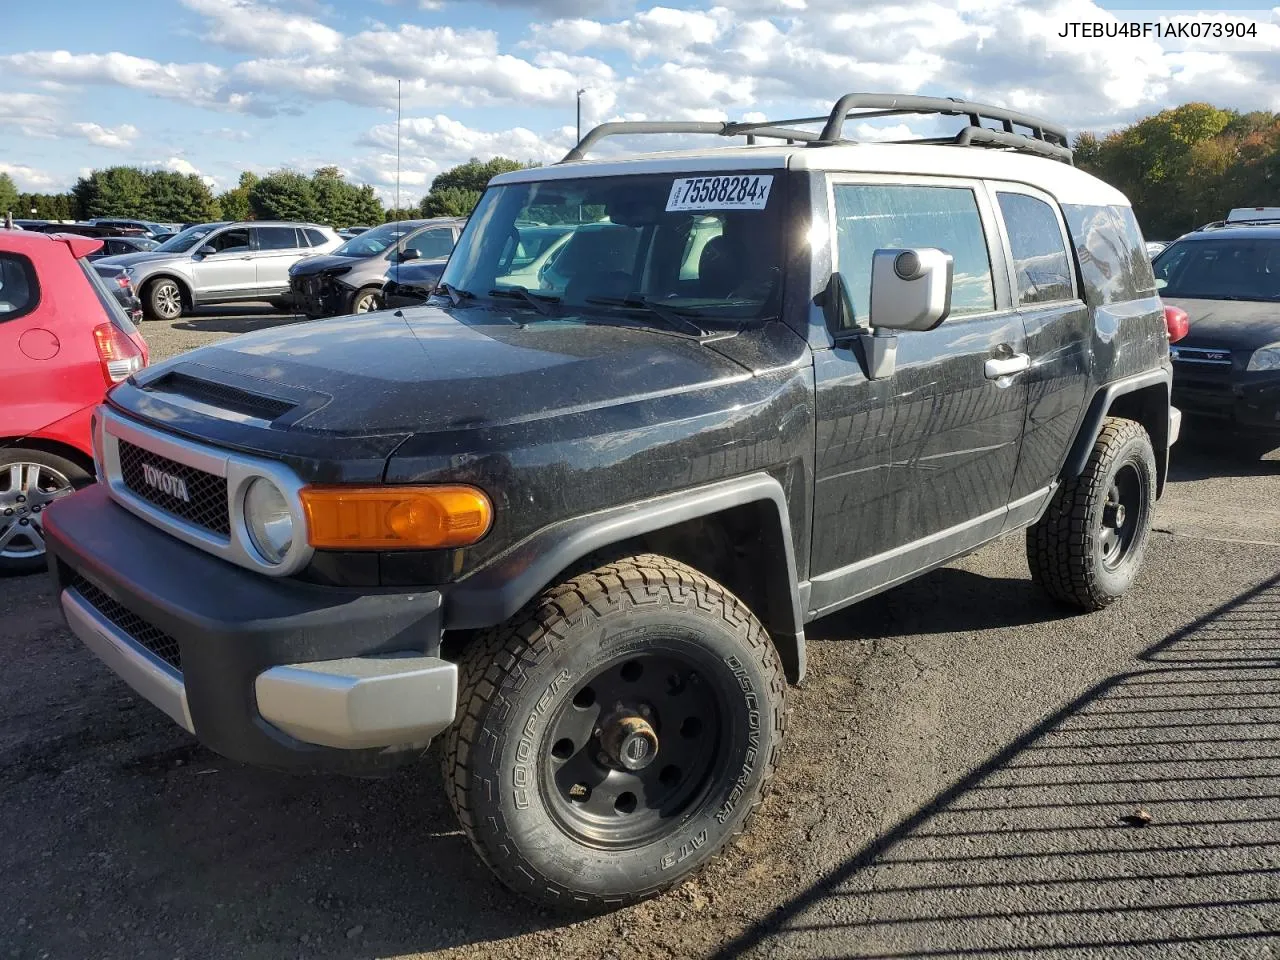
(1231, 324)
(144, 256)
(311, 266)
(423, 370)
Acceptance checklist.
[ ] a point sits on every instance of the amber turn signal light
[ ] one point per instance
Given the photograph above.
(395, 518)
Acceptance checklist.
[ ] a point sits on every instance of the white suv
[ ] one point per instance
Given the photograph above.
(222, 263)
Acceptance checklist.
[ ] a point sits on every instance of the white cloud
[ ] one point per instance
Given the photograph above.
(196, 83)
(258, 28)
(31, 180)
(100, 136)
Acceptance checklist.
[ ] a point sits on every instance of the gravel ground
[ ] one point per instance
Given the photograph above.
(960, 767)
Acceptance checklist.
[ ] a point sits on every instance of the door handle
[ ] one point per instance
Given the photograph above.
(998, 367)
(246, 258)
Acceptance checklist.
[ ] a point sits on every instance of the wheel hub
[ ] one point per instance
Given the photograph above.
(629, 741)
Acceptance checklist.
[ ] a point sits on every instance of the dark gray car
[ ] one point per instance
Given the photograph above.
(350, 279)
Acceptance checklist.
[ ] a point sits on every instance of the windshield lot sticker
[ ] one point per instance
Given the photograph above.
(720, 193)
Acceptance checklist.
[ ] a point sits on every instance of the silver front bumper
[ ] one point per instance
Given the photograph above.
(138, 667)
(351, 704)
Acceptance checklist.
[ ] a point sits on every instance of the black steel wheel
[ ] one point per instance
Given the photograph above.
(615, 734)
(1088, 547)
(633, 747)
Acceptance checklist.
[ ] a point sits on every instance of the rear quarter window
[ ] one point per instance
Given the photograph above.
(1112, 254)
(19, 288)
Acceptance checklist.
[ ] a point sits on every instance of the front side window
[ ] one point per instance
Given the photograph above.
(276, 238)
(230, 241)
(19, 291)
(1039, 256)
(1225, 268)
(429, 245)
(871, 217)
(615, 242)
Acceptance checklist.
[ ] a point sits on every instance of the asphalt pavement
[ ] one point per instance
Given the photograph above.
(971, 772)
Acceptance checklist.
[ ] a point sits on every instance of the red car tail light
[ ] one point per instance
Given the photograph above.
(1177, 323)
(120, 356)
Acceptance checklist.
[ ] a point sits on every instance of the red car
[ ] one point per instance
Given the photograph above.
(64, 340)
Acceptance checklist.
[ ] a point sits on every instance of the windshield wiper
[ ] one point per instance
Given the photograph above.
(540, 302)
(673, 317)
(456, 294)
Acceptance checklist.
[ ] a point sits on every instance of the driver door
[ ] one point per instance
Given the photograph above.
(227, 272)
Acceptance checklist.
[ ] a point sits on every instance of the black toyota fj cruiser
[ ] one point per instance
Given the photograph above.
(575, 513)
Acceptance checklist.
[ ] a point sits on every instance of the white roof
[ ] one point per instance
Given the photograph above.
(1253, 213)
(1060, 180)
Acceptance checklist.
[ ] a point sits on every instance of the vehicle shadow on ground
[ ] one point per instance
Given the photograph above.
(236, 318)
(1140, 817)
(1200, 456)
(947, 600)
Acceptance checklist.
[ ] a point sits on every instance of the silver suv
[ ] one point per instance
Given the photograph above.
(222, 263)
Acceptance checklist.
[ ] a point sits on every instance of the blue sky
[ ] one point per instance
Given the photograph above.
(219, 86)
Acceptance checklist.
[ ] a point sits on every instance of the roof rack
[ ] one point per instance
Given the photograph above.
(1042, 139)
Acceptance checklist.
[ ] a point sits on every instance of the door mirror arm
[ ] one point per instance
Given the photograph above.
(877, 350)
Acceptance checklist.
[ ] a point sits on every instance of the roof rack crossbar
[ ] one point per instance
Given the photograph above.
(890, 104)
(771, 129)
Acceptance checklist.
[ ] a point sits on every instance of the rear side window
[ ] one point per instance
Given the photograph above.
(1040, 258)
(276, 238)
(1113, 256)
(317, 238)
(110, 304)
(19, 289)
(871, 217)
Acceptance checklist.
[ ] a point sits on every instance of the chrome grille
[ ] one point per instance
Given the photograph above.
(138, 629)
(206, 503)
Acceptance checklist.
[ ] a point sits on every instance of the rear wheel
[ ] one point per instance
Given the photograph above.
(29, 481)
(616, 735)
(1088, 547)
(162, 300)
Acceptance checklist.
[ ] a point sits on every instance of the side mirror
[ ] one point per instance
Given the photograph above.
(207, 249)
(410, 253)
(910, 289)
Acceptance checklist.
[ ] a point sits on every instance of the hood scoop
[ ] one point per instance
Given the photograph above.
(226, 396)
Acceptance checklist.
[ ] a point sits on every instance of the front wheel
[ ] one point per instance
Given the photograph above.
(616, 735)
(163, 300)
(366, 300)
(1088, 547)
(30, 480)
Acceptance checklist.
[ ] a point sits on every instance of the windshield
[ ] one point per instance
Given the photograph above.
(184, 241)
(370, 243)
(1228, 268)
(704, 245)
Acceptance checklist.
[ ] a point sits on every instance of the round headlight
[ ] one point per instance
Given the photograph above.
(267, 516)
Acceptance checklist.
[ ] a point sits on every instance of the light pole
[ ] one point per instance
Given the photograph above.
(580, 93)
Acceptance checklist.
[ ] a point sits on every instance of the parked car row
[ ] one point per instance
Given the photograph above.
(222, 262)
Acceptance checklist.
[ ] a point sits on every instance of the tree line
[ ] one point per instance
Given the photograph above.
(324, 197)
(1187, 166)
(1180, 168)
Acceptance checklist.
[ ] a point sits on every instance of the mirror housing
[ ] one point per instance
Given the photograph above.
(207, 249)
(410, 253)
(910, 288)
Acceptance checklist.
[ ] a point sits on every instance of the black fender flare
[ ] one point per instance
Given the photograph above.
(1101, 405)
(498, 590)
